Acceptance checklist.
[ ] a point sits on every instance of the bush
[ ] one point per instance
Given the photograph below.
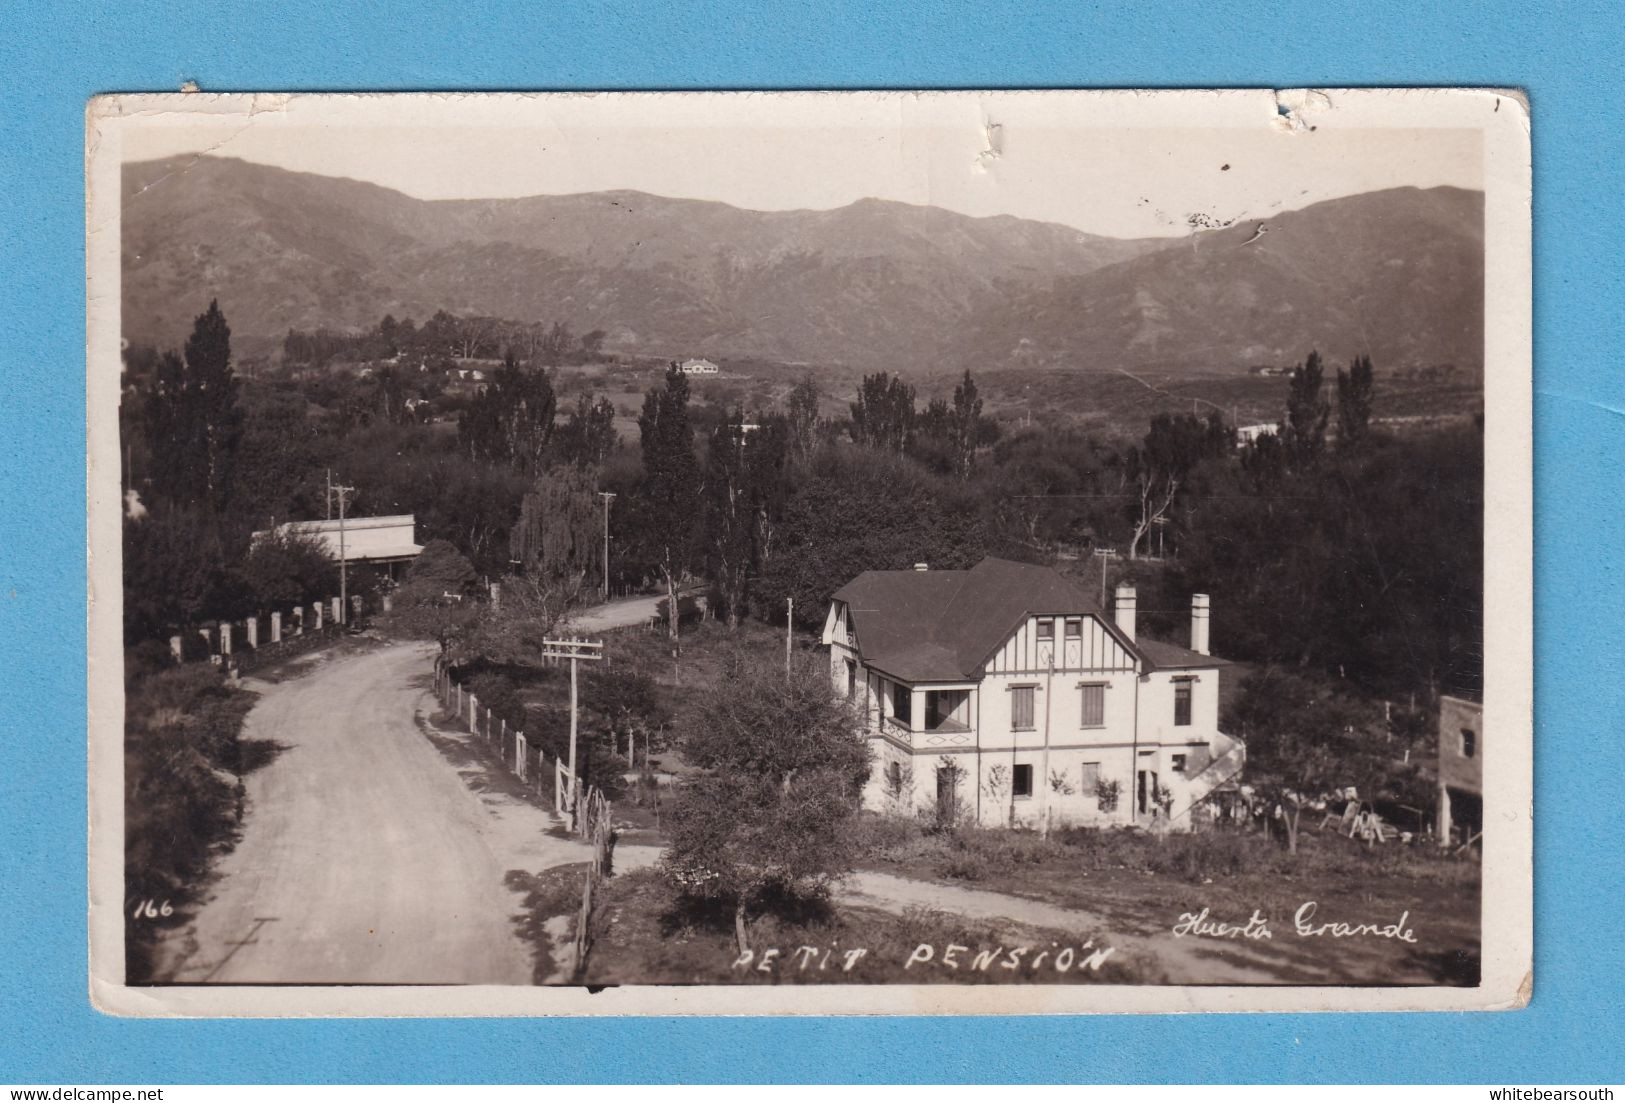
(890, 838)
(182, 803)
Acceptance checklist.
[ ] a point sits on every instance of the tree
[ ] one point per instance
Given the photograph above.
(174, 572)
(1304, 741)
(803, 418)
(511, 419)
(470, 335)
(745, 472)
(628, 703)
(557, 535)
(783, 761)
(513, 629)
(193, 423)
(729, 514)
(1164, 460)
(1355, 389)
(439, 571)
(391, 387)
(866, 512)
(434, 599)
(932, 444)
(287, 568)
(1307, 412)
(966, 425)
(176, 439)
(667, 504)
(883, 415)
(278, 473)
(588, 436)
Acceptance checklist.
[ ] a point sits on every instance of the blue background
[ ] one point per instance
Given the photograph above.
(1567, 55)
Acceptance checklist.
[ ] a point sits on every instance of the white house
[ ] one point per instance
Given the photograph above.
(384, 541)
(698, 367)
(1005, 695)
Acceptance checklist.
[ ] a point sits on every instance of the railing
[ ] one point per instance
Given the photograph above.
(252, 641)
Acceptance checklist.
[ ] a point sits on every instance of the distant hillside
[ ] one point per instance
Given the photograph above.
(1398, 274)
(872, 284)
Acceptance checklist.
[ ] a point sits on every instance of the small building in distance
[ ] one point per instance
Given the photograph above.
(1249, 434)
(698, 367)
(1461, 769)
(380, 541)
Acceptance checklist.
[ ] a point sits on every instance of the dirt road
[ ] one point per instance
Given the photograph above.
(617, 614)
(366, 855)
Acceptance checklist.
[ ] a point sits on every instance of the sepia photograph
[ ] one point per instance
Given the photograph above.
(867, 552)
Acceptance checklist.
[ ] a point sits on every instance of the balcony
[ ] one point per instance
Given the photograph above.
(943, 717)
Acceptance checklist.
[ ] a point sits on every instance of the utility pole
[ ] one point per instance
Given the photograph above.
(576, 651)
(344, 594)
(789, 614)
(1103, 554)
(607, 497)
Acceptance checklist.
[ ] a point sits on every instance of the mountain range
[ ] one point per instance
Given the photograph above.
(1397, 274)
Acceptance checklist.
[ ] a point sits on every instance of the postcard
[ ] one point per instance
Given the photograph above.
(1034, 552)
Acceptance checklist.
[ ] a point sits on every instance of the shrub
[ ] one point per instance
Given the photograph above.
(182, 804)
(889, 838)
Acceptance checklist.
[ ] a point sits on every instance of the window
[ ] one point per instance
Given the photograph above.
(1179, 763)
(1021, 781)
(851, 679)
(894, 778)
(1074, 628)
(1046, 628)
(1088, 778)
(1021, 708)
(947, 708)
(1094, 706)
(902, 704)
(1469, 743)
(1182, 704)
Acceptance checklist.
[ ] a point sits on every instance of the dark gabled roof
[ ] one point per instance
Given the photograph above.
(941, 626)
(1169, 656)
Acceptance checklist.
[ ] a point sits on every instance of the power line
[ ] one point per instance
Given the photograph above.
(344, 594)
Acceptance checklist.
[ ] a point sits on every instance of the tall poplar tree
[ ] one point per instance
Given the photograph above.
(1355, 391)
(193, 423)
(1307, 413)
(669, 496)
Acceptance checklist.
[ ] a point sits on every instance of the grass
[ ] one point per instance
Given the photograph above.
(1141, 884)
(645, 935)
(183, 796)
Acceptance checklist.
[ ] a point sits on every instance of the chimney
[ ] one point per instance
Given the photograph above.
(920, 567)
(1199, 613)
(1125, 609)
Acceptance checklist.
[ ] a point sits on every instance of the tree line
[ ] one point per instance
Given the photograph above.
(445, 337)
(1328, 546)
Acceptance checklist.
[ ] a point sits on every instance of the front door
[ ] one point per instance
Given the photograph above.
(1145, 794)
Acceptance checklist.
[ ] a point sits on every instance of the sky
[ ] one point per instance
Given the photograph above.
(1127, 172)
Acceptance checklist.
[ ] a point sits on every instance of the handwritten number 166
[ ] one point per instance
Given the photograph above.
(148, 910)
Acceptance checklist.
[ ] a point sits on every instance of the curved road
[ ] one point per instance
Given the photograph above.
(367, 855)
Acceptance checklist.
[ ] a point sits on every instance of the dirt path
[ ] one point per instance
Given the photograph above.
(1184, 961)
(368, 855)
(617, 614)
